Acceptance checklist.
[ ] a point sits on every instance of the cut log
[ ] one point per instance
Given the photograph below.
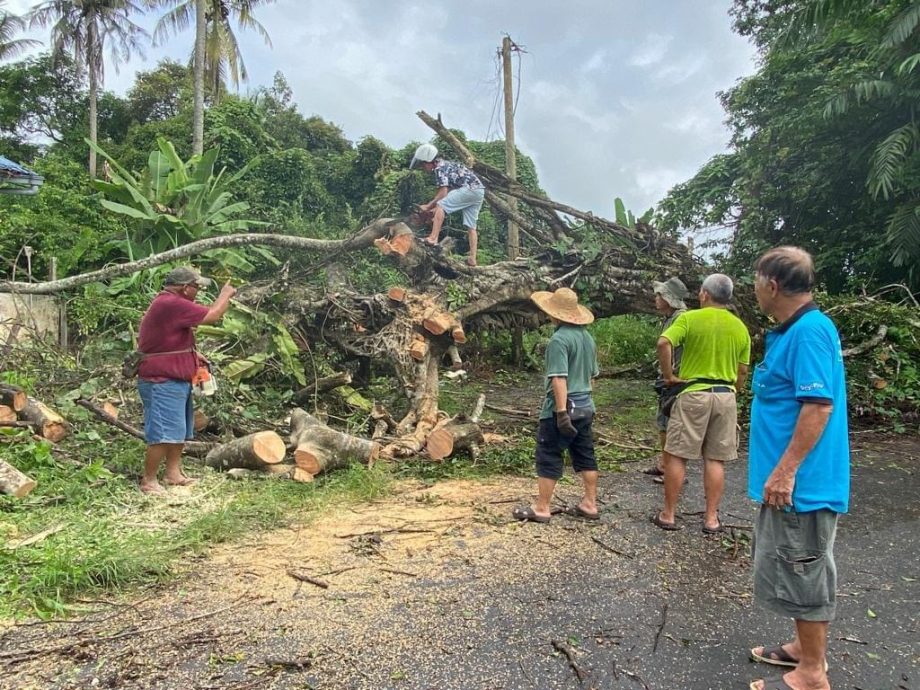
(13, 396)
(322, 385)
(418, 349)
(402, 243)
(252, 452)
(317, 448)
(458, 335)
(44, 421)
(397, 294)
(458, 434)
(7, 414)
(110, 410)
(438, 322)
(301, 475)
(383, 246)
(280, 471)
(13, 482)
(201, 421)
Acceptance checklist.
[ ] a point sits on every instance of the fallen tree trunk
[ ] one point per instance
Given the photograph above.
(13, 396)
(317, 448)
(13, 482)
(44, 421)
(252, 452)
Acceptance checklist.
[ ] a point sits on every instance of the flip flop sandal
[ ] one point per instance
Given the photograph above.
(771, 684)
(527, 514)
(777, 656)
(667, 526)
(660, 480)
(654, 471)
(579, 512)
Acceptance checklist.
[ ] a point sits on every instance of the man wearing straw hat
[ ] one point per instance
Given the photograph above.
(669, 301)
(568, 410)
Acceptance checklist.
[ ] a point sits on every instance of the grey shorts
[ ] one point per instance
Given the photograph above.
(794, 570)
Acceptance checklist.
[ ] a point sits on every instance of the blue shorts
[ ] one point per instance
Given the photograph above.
(168, 414)
(466, 199)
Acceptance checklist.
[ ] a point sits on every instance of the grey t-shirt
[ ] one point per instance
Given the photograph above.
(675, 352)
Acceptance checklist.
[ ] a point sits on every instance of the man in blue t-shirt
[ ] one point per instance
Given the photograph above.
(799, 466)
(459, 189)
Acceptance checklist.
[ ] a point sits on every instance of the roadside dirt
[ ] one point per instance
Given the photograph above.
(436, 587)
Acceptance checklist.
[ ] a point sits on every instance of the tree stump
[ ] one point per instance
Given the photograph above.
(317, 448)
(13, 482)
(252, 452)
(44, 421)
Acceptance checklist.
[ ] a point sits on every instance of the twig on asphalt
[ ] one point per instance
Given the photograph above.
(609, 548)
(664, 620)
(566, 649)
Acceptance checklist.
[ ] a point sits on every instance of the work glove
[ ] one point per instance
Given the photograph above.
(564, 425)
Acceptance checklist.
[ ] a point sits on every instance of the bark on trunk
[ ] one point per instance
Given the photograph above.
(253, 452)
(317, 448)
(322, 385)
(201, 27)
(13, 482)
(13, 396)
(44, 421)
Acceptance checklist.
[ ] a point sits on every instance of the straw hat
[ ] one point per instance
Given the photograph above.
(563, 305)
(673, 291)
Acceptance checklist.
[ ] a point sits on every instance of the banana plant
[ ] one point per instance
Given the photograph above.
(626, 218)
(175, 201)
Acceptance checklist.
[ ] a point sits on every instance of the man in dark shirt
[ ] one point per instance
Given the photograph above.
(166, 370)
(459, 189)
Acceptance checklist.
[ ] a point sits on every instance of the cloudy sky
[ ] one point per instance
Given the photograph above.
(616, 97)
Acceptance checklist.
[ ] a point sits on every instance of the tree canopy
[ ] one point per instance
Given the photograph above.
(824, 143)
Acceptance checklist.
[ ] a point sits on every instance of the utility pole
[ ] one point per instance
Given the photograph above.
(514, 242)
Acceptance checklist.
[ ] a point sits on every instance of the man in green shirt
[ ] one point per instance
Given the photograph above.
(703, 420)
(568, 410)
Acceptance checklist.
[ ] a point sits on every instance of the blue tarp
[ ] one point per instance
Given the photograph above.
(17, 179)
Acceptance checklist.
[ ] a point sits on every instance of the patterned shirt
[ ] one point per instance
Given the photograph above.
(454, 175)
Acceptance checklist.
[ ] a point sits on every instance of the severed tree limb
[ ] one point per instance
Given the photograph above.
(196, 448)
(869, 344)
(322, 385)
(14, 482)
(364, 238)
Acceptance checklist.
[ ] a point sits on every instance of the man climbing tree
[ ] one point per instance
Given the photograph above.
(459, 189)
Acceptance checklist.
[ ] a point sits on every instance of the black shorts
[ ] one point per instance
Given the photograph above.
(551, 445)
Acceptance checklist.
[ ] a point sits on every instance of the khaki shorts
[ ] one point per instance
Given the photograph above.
(703, 425)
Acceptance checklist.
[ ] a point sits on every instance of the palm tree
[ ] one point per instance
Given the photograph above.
(10, 25)
(216, 55)
(890, 83)
(82, 28)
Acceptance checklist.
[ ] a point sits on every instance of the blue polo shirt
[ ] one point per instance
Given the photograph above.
(803, 363)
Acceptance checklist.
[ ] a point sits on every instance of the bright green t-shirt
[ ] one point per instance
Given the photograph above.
(572, 354)
(715, 342)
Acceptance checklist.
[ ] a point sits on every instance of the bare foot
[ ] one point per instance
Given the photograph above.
(433, 241)
(152, 488)
(796, 681)
(181, 480)
(471, 262)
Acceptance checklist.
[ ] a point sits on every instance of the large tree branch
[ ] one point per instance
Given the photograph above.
(362, 239)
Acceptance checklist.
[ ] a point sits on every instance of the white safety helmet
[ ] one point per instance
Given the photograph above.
(424, 154)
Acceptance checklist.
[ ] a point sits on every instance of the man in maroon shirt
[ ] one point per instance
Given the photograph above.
(165, 373)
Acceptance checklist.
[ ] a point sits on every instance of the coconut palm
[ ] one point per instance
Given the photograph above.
(216, 56)
(10, 25)
(83, 28)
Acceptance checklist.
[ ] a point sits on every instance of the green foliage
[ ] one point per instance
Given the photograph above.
(63, 221)
(175, 202)
(627, 339)
(884, 381)
(825, 150)
(254, 340)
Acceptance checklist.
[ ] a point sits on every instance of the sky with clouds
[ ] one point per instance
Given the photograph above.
(616, 97)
